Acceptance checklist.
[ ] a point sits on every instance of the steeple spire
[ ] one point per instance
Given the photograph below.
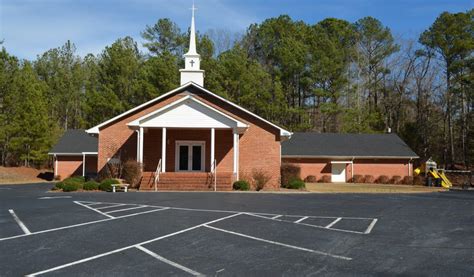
(192, 35)
(191, 71)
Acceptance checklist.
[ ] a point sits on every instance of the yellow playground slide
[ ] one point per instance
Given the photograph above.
(444, 180)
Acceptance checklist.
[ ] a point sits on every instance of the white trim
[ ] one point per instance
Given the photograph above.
(138, 122)
(348, 157)
(190, 144)
(73, 154)
(341, 162)
(95, 129)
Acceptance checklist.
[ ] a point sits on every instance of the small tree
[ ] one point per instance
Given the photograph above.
(131, 172)
(260, 178)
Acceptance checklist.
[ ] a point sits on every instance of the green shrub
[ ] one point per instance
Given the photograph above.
(59, 185)
(91, 185)
(106, 185)
(71, 186)
(241, 185)
(296, 183)
(76, 179)
(289, 172)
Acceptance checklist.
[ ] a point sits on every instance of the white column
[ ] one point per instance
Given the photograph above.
(141, 145)
(83, 164)
(55, 165)
(236, 155)
(138, 145)
(213, 135)
(163, 150)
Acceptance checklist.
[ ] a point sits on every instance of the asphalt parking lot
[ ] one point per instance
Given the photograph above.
(123, 234)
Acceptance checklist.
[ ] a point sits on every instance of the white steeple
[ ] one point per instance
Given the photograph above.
(192, 71)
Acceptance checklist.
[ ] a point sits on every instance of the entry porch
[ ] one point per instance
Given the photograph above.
(188, 145)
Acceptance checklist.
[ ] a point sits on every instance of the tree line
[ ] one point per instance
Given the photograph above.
(332, 76)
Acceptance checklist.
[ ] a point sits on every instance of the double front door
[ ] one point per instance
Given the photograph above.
(190, 156)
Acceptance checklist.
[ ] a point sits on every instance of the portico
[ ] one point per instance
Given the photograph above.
(184, 135)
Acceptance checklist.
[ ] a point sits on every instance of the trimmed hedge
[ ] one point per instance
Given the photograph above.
(296, 183)
(383, 179)
(241, 185)
(106, 185)
(72, 186)
(358, 179)
(58, 185)
(311, 179)
(396, 179)
(369, 179)
(325, 179)
(91, 185)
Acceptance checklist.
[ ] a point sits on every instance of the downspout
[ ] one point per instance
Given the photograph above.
(409, 165)
(352, 169)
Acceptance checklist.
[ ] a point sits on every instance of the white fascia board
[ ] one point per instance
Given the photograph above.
(137, 122)
(95, 129)
(341, 162)
(349, 157)
(65, 154)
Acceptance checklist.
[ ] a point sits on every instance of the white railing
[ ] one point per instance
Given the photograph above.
(214, 173)
(157, 175)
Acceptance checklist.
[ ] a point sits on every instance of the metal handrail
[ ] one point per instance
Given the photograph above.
(214, 173)
(157, 174)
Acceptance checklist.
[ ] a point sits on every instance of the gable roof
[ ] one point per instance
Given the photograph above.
(329, 145)
(193, 105)
(75, 142)
(95, 129)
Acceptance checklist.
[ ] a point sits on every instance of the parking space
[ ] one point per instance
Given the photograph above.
(142, 234)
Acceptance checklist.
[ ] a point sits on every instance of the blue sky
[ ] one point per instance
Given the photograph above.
(30, 27)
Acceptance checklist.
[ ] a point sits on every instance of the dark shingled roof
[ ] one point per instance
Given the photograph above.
(346, 145)
(75, 142)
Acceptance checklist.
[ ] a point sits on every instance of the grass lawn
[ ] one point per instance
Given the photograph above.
(367, 188)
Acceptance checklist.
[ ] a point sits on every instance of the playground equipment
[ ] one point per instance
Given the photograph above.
(429, 168)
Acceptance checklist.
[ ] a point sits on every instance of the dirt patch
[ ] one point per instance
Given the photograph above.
(367, 188)
(18, 175)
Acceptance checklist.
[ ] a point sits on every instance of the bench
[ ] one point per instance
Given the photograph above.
(124, 186)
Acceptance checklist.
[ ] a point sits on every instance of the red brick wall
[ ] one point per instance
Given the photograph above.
(381, 167)
(320, 167)
(259, 145)
(72, 165)
(68, 166)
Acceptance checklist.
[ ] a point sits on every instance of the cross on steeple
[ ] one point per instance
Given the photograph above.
(192, 71)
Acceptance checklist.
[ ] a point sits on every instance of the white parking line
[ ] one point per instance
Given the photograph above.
(310, 225)
(127, 209)
(112, 206)
(163, 259)
(131, 246)
(95, 210)
(280, 244)
(334, 222)
(19, 222)
(371, 226)
(54, 197)
(277, 216)
(301, 219)
(82, 224)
